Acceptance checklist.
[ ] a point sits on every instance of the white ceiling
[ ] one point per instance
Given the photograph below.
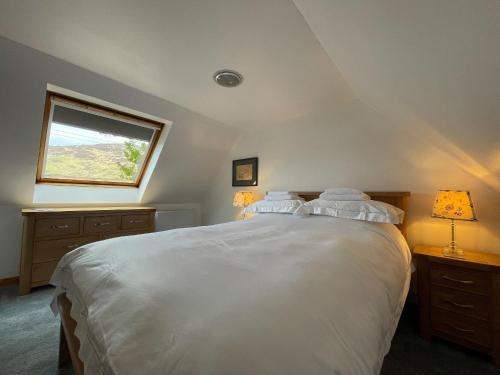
(172, 48)
(423, 62)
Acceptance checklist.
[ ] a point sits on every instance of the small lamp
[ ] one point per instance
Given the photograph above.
(243, 199)
(453, 205)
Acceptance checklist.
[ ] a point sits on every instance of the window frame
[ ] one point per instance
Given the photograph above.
(109, 112)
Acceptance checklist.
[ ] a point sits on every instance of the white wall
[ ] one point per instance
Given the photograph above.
(11, 226)
(421, 113)
(352, 145)
(192, 154)
(170, 216)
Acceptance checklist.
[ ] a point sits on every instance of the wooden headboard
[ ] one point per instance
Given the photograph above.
(396, 198)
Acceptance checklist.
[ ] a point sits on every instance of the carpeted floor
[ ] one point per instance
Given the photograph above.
(29, 336)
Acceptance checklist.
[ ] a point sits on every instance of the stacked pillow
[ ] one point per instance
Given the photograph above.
(281, 196)
(280, 202)
(366, 210)
(336, 202)
(343, 194)
(352, 204)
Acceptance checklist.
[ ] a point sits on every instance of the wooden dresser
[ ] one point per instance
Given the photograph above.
(50, 233)
(459, 299)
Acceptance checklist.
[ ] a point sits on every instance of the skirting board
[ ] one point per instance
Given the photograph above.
(9, 281)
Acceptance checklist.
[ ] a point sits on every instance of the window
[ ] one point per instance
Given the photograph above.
(85, 143)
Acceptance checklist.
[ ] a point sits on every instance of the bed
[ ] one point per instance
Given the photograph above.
(276, 294)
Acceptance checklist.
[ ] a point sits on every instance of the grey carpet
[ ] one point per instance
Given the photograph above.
(29, 335)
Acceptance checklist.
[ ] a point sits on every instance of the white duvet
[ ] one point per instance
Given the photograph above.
(276, 294)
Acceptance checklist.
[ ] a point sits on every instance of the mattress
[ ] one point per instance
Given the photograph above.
(275, 294)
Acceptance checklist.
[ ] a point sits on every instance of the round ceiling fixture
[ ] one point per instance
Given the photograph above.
(228, 78)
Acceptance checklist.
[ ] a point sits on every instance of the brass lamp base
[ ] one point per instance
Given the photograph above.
(453, 252)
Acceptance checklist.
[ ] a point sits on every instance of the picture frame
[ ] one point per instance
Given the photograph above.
(246, 172)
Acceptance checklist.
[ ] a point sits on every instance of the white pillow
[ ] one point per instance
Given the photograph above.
(379, 212)
(282, 197)
(344, 197)
(288, 206)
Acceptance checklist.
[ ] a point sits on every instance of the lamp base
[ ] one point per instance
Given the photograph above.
(453, 252)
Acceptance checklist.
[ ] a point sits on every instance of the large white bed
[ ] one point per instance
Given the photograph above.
(275, 294)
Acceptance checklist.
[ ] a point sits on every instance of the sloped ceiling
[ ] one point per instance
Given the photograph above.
(432, 66)
(171, 49)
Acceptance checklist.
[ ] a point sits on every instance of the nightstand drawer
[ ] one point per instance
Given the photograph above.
(465, 279)
(469, 304)
(463, 327)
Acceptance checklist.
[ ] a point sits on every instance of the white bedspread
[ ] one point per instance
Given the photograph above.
(276, 294)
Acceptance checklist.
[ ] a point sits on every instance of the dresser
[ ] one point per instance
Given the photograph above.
(459, 299)
(50, 233)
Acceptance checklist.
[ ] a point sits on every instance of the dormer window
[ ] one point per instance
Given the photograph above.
(88, 144)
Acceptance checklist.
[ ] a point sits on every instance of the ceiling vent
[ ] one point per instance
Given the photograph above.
(228, 78)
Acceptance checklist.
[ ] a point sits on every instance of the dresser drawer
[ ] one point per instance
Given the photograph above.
(42, 271)
(461, 326)
(46, 250)
(123, 234)
(469, 304)
(465, 279)
(135, 222)
(57, 227)
(99, 224)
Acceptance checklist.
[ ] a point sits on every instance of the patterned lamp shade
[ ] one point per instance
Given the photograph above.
(453, 204)
(243, 198)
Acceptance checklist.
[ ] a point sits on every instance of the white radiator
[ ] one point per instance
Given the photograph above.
(171, 219)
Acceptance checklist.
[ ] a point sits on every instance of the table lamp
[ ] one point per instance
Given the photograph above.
(453, 205)
(243, 199)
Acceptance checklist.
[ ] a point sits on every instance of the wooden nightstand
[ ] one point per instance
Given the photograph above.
(459, 299)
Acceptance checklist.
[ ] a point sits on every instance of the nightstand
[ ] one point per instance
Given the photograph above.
(459, 299)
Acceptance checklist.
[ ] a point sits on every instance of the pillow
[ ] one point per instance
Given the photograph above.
(379, 212)
(288, 206)
(343, 191)
(282, 197)
(344, 197)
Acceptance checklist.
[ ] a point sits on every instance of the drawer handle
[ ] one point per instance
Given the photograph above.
(75, 245)
(135, 221)
(459, 329)
(459, 304)
(466, 282)
(104, 223)
(65, 226)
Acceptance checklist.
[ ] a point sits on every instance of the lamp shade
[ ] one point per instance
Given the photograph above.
(243, 198)
(453, 204)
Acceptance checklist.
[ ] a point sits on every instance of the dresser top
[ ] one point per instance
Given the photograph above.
(42, 210)
(478, 257)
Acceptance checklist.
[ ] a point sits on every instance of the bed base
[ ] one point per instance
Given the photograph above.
(69, 345)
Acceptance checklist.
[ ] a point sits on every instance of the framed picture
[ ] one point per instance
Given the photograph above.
(245, 172)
